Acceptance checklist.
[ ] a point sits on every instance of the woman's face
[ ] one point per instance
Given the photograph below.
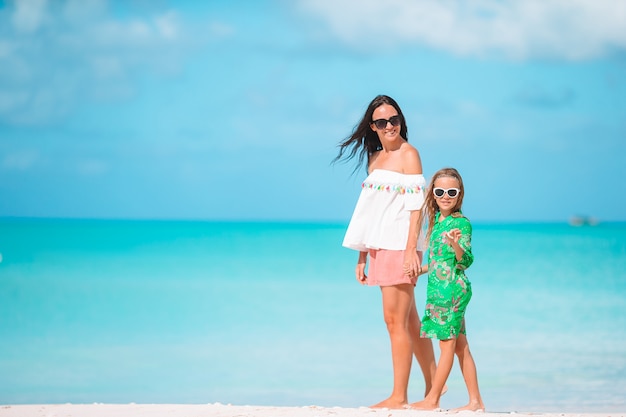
(387, 116)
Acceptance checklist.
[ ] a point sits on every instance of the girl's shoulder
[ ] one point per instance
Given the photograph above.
(458, 220)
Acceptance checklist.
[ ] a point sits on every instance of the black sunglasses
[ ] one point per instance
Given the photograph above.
(452, 192)
(382, 123)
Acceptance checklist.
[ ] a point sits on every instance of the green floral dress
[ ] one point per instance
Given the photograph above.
(449, 291)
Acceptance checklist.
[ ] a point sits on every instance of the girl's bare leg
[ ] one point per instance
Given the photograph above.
(446, 359)
(468, 368)
(422, 349)
(397, 301)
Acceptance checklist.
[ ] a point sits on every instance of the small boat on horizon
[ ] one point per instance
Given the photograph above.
(583, 221)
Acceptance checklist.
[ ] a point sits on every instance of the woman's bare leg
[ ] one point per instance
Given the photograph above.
(446, 359)
(468, 368)
(397, 302)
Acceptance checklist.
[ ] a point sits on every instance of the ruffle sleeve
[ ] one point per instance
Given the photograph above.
(414, 186)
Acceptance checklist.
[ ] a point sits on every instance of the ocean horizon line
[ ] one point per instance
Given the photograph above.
(323, 222)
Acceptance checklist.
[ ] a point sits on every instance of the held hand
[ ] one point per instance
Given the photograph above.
(411, 265)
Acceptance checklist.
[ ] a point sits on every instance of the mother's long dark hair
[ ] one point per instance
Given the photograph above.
(364, 141)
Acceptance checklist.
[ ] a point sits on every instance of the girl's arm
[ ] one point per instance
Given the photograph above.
(452, 237)
(460, 241)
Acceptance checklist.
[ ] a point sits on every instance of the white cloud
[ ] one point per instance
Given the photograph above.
(6, 48)
(167, 25)
(54, 55)
(20, 160)
(28, 15)
(10, 100)
(518, 29)
(220, 29)
(79, 10)
(92, 167)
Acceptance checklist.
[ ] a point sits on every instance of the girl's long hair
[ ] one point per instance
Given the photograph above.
(364, 142)
(430, 208)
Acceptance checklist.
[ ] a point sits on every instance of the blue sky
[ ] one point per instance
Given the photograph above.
(233, 110)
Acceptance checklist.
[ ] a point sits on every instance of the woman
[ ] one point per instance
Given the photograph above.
(385, 228)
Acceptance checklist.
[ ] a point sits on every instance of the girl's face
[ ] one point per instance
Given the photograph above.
(445, 202)
(386, 123)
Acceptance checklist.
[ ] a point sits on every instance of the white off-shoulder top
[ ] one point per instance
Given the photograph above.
(381, 217)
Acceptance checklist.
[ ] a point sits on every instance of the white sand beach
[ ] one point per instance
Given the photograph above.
(222, 410)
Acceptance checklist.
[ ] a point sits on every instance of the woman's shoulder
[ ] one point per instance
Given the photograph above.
(407, 162)
(411, 161)
(408, 150)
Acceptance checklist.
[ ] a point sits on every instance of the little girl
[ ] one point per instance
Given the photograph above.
(449, 291)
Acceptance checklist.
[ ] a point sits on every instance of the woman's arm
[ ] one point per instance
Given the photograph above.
(412, 165)
(360, 268)
(411, 258)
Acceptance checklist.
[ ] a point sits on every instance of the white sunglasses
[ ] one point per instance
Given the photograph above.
(452, 192)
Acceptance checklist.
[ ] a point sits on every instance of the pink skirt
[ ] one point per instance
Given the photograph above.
(386, 268)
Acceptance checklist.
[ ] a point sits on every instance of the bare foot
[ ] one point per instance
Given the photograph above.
(390, 403)
(478, 407)
(424, 405)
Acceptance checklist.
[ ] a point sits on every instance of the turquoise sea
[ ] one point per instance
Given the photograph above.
(270, 314)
